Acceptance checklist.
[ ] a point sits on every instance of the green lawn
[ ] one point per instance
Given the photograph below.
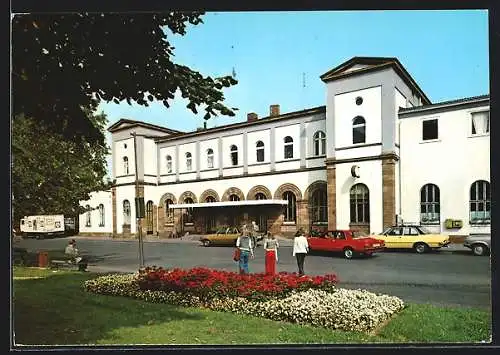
(51, 308)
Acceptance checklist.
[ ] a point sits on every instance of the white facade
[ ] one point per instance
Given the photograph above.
(99, 218)
(370, 116)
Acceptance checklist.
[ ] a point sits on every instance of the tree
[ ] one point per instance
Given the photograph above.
(65, 62)
(51, 174)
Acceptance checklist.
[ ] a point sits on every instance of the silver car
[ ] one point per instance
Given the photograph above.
(478, 243)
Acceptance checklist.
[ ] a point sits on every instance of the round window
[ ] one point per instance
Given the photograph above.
(125, 145)
(359, 100)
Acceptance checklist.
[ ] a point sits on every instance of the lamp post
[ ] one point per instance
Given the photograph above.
(137, 205)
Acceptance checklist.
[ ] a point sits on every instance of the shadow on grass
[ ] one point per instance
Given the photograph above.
(56, 310)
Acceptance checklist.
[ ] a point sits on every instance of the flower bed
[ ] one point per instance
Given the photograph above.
(209, 283)
(351, 310)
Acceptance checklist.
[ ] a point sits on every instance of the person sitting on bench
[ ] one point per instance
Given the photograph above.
(72, 253)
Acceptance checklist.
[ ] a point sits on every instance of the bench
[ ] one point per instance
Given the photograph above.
(20, 256)
(57, 264)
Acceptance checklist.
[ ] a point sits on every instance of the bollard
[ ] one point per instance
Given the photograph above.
(43, 259)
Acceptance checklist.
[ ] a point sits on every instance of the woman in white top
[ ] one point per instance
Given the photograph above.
(300, 249)
(271, 246)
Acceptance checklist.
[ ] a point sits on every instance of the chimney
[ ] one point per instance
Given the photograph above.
(274, 110)
(252, 116)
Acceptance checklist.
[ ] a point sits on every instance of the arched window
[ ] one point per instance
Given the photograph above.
(169, 164)
(288, 145)
(429, 204)
(291, 208)
(319, 206)
(260, 151)
(125, 166)
(360, 204)
(234, 155)
(480, 202)
(88, 214)
(189, 161)
(358, 130)
(126, 212)
(210, 158)
(169, 212)
(260, 196)
(189, 219)
(319, 139)
(101, 215)
(234, 197)
(210, 199)
(149, 217)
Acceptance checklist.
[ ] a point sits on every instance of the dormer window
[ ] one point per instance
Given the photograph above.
(358, 130)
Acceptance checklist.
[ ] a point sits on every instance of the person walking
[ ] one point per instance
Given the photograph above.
(244, 243)
(271, 246)
(300, 249)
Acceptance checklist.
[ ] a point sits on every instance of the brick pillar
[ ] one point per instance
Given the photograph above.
(155, 223)
(303, 215)
(113, 208)
(331, 192)
(178, 220)
(389, 192)
(274, 222)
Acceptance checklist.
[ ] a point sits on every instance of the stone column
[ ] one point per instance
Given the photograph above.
(331, 192)
(303, 215)
(389, 190)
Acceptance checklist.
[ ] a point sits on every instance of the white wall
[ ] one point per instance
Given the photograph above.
(400, 102)
(123, 193)
(252, 139)
(164, 152)
(311, 129)
(204, 146)
(183, 149)
(301, 179)
(150, 158)
(280, 134)
(371, 176)
(453, 163)
(97, 198)
(346, 109)
(121, 152)
(227, 142)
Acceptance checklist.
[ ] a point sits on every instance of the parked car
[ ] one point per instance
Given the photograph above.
(348, 242)
(478, 243)
(413, 237)
(223, 236)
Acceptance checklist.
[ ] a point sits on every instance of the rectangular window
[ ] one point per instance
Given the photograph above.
(260, 155)
(480, 123)
(210, 162)
(429, 129)
(169, 167)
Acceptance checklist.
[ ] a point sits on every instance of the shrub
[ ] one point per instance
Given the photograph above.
(352, 310)
(209, 283)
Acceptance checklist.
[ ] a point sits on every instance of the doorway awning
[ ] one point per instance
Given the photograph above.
(230, 203)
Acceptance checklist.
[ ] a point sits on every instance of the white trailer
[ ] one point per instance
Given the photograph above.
(42, 226)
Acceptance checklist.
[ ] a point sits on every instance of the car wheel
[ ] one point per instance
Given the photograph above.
(420, 248)
(206, 243)
(479, 249)
(348, 253)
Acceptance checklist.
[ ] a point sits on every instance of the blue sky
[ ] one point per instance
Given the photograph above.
(446, 52)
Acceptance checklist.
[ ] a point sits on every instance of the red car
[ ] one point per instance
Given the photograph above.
(348, 242)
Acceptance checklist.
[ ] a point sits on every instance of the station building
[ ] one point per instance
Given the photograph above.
(376, 154)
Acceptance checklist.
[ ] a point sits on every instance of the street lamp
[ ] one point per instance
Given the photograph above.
(139, 205)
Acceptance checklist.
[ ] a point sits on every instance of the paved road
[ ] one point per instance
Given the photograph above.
(453, 277)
